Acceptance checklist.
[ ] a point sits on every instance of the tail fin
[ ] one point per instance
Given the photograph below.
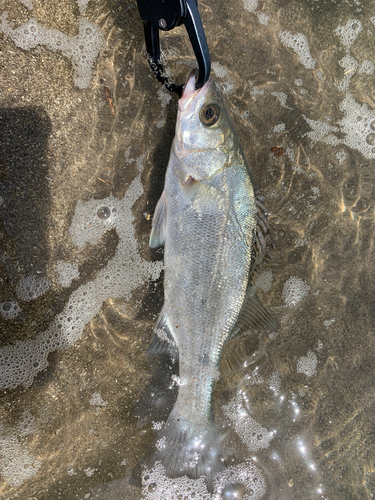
(185, 449)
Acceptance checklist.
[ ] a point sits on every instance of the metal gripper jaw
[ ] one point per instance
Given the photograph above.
(166, 15)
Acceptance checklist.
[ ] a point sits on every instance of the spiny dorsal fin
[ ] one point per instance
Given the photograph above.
(157, 236)
(262, 235)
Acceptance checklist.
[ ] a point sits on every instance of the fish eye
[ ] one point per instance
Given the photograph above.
(209, 114)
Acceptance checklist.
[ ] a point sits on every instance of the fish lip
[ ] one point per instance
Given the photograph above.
(190, 92)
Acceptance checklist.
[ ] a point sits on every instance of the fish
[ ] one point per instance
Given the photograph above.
(207, 219)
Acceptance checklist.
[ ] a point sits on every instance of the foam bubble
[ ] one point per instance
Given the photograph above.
(281, 97)
(274, 383)
(349, 32)
(221, 72)
(307, 364)
(279, 128)
(250, 5)
(264, 281)
(245, 477)
(254, 90)
(295, 289)
(71, 471)
(366, 67)
(321, 132)
(89, 471)
(290, 154)
(103, 213)
(350, 64)
(9, 309)
(31, 287)
(17, 464)
(92, 219)
(263, 18)
(341, 156)
(66, 272)
(82, 5)
(28, 4)
(165, 98)
(299, 43)
(26, 424)
(157, 426)
(22, 361)
(82, 49)
(254, 378)
(97, 400)
(355, 127)
(250, 432)
(157, 486)
(357, 130)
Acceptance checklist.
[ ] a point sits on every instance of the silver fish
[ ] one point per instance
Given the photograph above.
(207, 219)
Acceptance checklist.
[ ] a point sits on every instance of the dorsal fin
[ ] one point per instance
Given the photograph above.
(254, 316)
(247, 347)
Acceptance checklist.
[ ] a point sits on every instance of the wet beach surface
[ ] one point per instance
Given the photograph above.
(85, 134)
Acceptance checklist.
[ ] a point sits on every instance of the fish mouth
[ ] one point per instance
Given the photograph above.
(190, 92)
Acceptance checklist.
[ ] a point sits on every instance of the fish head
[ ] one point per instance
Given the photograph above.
(204, 140)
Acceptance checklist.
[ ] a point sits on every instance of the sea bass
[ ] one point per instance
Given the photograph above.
(207, 219)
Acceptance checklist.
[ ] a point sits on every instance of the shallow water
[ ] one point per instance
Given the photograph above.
(84, 146)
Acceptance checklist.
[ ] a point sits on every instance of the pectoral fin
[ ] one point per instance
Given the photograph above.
(157, 236)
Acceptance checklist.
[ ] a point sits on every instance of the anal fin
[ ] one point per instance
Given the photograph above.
(162, 341)
(242, 351)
